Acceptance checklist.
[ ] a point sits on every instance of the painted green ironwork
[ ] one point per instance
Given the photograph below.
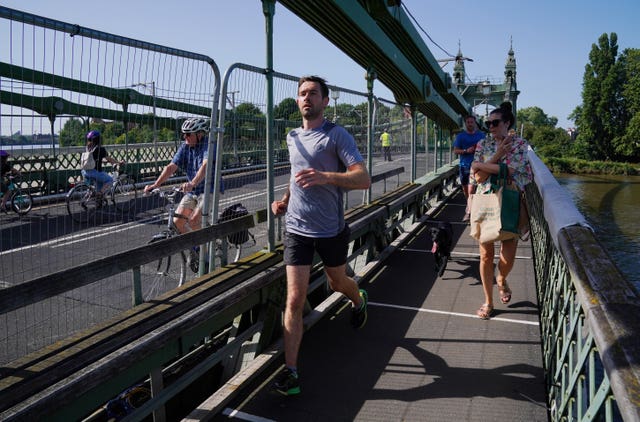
(576, 343)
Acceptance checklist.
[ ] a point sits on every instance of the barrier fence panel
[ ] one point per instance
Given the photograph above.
(57, 82)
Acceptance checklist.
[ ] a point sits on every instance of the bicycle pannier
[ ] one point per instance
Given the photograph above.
(231, 212)
(87, 162)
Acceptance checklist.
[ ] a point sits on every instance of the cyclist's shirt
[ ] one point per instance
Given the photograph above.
(98, 155)
(4, 171)
(190, 159)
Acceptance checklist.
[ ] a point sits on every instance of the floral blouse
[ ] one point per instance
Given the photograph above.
(516, 160)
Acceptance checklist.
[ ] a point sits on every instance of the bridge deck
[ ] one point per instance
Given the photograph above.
(423, 354)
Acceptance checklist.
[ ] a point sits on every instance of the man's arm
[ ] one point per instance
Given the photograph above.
(167, 172)
(356, 177)
(199, 177)
(280, 207)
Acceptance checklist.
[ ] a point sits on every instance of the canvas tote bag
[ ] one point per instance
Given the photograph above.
(495, 213)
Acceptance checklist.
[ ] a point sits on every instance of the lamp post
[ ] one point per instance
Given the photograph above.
(359, 114)
(152, 86)
(234, 123)
(335, 94)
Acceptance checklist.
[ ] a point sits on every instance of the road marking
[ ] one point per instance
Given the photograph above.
(434, 311)
(233, 413)
(459, 253)
(100, 232)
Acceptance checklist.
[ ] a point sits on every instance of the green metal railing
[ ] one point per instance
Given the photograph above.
(588, 313)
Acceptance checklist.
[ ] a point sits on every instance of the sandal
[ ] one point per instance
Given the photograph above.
(485, 311)
(505, 293)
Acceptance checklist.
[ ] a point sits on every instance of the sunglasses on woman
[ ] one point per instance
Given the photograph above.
(495, 122)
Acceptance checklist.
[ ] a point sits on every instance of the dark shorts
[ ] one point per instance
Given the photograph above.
(298, 250)
(464, 175)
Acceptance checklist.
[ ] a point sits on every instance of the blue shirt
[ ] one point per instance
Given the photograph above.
(318, 211)
(190, 159)
(466, 140)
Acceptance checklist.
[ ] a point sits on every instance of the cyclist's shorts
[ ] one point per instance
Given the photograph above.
(192, 201)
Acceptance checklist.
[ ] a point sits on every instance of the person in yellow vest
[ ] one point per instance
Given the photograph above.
(385, 140)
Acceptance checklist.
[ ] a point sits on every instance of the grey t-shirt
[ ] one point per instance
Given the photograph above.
(317, 211)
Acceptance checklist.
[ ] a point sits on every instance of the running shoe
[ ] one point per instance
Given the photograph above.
(359, 316)
(287, 383)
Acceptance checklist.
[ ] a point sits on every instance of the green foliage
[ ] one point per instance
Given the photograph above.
(578, 166)
(72, 133)
(536, 117)
(549, 141)
(285, 109)
(607, 127)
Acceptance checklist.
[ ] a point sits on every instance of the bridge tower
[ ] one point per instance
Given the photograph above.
(485, 92)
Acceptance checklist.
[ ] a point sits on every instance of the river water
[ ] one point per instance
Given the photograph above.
(611, 205)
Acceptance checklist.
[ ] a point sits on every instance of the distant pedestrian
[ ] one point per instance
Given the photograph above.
(465, 146)
(324, 163)
(385, 141)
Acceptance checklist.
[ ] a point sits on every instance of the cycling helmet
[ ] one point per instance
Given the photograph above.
(4, 153)
(93, 135)
(195, 124)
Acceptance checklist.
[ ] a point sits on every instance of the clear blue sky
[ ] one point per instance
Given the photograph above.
(551, 39)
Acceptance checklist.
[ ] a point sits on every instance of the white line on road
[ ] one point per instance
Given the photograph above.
(458, 253)
(433, 311)
(233, 413)
(104, 231)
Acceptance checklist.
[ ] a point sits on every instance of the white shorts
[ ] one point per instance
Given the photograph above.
(192, 201)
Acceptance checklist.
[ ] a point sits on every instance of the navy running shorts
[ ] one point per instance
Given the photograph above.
(298, 249)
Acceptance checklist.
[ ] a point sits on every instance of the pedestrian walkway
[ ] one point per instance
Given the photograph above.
(423, 355)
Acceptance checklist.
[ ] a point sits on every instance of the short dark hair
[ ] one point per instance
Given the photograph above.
(470, 116)
(324, 89)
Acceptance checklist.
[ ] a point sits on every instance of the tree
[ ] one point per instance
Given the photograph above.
(628, 145)
(72, 133)
(536, 117)
(602, 114)
(285, 109)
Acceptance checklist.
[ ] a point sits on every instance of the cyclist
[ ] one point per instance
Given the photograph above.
(192, 159)
(103, 180)
(6, 170)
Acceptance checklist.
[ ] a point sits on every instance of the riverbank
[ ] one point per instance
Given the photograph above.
(584, 167)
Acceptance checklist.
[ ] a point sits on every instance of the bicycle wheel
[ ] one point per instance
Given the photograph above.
(165, 274)
(124, 194)
(21, 202)
(81, 203)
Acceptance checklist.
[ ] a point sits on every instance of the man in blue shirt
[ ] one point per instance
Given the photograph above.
(465, 146)
(192, 159)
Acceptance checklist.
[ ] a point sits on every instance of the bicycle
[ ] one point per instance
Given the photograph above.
(168, 276)
(21, 201)
(83, 200)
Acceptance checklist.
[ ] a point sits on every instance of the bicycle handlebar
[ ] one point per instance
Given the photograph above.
(166, 193)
